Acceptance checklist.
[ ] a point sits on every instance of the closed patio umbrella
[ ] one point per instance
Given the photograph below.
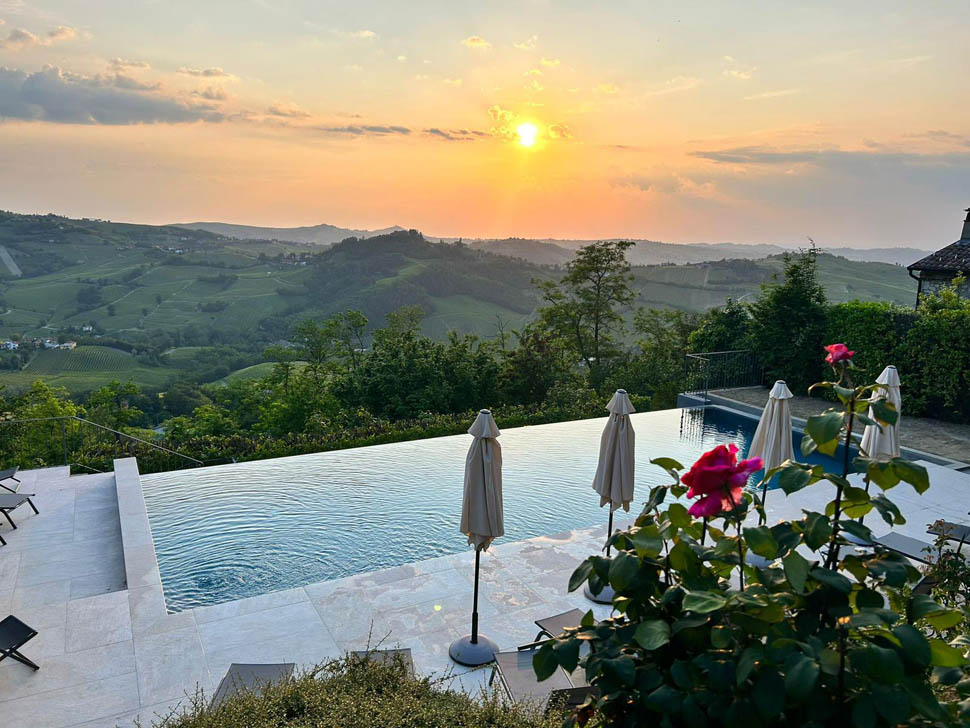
(883, 444)
(614, 471)
(772, 440)
(482, 521)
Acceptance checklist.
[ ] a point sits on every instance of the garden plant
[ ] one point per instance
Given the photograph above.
(722, 619)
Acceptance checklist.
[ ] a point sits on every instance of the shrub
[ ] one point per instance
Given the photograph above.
(721, 622)
(353, 693)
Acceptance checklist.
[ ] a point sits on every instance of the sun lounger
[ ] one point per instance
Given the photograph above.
(249, 678)
(10, 474)
(911, 548)
(556, 625)
(952, 532)
(514, 671)
(10, 501)
(387, 656)
(14, 634)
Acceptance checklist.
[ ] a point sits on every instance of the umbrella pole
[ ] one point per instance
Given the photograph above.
(478, 557)
(609, 533)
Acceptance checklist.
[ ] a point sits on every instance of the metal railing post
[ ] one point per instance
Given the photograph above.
(64, 441)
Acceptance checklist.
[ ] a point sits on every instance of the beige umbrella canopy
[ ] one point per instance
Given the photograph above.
(614, 472)
(772, 440)
(482, 518)
(482, 521)
(883, 444)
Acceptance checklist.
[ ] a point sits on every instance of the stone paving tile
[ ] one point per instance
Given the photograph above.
(168, 665)
(98, 620)
(241, 607)
(78, 704)
(65, 670)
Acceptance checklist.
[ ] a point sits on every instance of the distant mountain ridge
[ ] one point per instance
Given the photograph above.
(322, 234)
(553, 251)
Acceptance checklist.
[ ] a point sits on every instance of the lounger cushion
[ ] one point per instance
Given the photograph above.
(556, 624)
(9, 501)
(14, 633)
(243, 677)
(515, 671)
(909, 547)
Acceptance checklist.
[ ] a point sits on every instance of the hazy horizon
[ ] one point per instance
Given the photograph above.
(757, 124)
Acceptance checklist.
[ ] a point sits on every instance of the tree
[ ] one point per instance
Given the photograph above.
(284, 359)
(533, 367)
(788, 323)
(585, 306)
(346, 330)
(722, 328)
(111, 405)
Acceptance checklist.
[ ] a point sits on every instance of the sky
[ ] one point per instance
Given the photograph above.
(760, 122)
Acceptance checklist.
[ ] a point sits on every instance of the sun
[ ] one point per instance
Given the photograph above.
(527, 134)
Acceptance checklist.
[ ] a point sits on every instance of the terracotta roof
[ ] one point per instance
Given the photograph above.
(953, 258)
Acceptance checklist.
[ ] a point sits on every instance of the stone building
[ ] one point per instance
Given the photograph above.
(936, 270)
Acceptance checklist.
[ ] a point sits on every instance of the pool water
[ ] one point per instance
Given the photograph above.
(232, 531)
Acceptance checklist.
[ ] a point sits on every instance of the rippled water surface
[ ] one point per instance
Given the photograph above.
(233, 531)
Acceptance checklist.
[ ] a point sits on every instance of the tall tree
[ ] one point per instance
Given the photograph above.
(585, 307)
(788, 323)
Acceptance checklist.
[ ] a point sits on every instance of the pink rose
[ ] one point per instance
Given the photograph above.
(717, 477)
(837, 353)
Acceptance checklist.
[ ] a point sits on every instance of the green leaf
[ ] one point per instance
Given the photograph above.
(682, 558)
(652, 634)
(884, 411)
(703, 602)
(818, 530)
(832, 578)
(580, 575)
(647, 541)
(912, 473)
(943, 655)
(721, 637)
(824, 430)
(761, 541)
(567, 653)
(588, 619)
(915, 647)
(622, 668)
(544, 662)
(657, 496)
(623, 571)
(796, 569)
(882, 473)
(746, 663)
(794, 476)
(864, 712)
(667, 464)
(665, 699)
(769, 694)
(801, 675)
(879, 663)
(888, 510)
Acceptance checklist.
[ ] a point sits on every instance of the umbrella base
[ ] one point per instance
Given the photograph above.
(604, 597)
(465, 652)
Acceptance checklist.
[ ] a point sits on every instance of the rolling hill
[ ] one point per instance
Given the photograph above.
(313, 234)
(174, 296)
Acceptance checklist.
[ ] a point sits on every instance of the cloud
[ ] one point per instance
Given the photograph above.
(123, 64)
(675, 84)
(363, 35)
(212, 93)
(456, 135)
(736, 70)
(942, 136)
(354, 67)
(559, 131)
(288, 109)
(402, 58)
(20, 39)
(365, 130)
(549, 62)
(908, 62)
(214, 72)
(452, 81)
(607, 89)
(772, 94)
(498, 115)
(528, 44)
(476, 42)
(122, 80)
(58, 96)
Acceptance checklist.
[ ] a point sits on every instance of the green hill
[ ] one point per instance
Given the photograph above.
(173, 296)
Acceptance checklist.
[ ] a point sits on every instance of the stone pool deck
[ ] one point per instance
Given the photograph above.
(83, 573)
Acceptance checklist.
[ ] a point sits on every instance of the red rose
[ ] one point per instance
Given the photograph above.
(717, 477)
(837, 353)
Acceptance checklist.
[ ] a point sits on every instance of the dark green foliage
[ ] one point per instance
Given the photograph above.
(875, 330)
(702, 636)
(723, 328)
(788, 324)
(353, 693)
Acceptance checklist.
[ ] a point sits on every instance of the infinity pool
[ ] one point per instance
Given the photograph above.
(232, 531)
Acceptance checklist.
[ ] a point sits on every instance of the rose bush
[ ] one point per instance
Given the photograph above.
(774, 625)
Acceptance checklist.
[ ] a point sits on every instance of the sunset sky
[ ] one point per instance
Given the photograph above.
(682, 122)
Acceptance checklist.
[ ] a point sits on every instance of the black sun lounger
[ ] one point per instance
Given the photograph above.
(952, 532)
(911, 548)
(554, 626)
(10, 501)
(250, 678)
(10, 474)
(14, 634)
(514, 671)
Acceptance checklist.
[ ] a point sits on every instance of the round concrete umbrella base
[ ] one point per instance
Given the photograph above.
(604, 597)
(472, 654)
